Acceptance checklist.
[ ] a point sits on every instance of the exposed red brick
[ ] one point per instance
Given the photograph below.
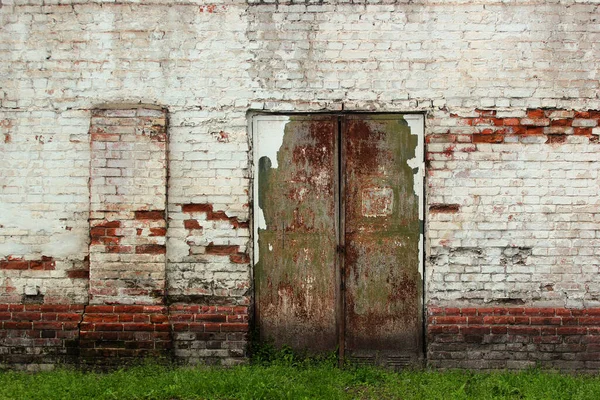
(217, 216)
(189, 208)
(221, 249)
(582, 114)
(239, 224)
(475, 330)
(191, 224)
(454, 320)
(493, 138)
(209, 327)
(535, 130)
(511, 121)
(158, 232)
(582, 131)
(99, 309)
(239, 258)
(432, 310)
(444, 208)
(109, 224)
(13, 264)
(109, 240)
(535, 113)
(516, 130)
(155, 215)
(234, 327)
(561, 122)
(78, 274)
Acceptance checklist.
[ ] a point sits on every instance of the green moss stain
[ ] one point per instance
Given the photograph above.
(384, 287)
(295, 271)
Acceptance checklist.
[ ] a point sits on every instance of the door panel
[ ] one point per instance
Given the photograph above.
(337, 219)
(383, 287)
(295, 273)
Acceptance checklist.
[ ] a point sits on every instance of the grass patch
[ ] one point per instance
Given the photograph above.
(293, 379)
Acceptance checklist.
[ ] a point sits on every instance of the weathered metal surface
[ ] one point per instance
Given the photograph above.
(338, 219)
(295, 272)
(383, 287)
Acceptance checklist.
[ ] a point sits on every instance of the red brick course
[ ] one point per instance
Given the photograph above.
(513, 337)
(112, 335)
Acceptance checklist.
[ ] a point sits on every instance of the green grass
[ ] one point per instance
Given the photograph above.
(293, 379)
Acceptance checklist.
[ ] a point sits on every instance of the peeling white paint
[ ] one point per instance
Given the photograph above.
(268, 132)
(416, 125)
(54, 240)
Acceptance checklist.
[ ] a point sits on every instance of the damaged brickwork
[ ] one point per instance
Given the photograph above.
(127, 205)
(161, 236)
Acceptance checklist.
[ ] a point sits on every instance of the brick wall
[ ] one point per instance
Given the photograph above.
(514, 337)
(128, 191)
(509, 91)
(39, 336)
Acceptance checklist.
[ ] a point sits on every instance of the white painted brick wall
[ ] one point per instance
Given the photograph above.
(210, 63)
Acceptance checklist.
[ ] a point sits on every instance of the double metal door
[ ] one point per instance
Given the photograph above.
(338, 234)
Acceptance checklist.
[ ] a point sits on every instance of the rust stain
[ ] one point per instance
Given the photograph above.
(377, 202)
(295, 273)
(383, 285)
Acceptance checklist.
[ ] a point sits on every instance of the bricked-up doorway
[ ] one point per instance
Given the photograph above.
(338, 211)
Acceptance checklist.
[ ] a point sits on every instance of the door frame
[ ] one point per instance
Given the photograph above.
(416, 122)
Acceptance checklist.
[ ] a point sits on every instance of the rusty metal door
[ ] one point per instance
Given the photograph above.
(337, 228)
(383, 286)
(295, 227)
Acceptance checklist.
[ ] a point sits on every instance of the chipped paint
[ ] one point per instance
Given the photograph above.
(383, 286)
(58, 243)
(295, 230)
(417, 163)
(295, 294)
(268, 134)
